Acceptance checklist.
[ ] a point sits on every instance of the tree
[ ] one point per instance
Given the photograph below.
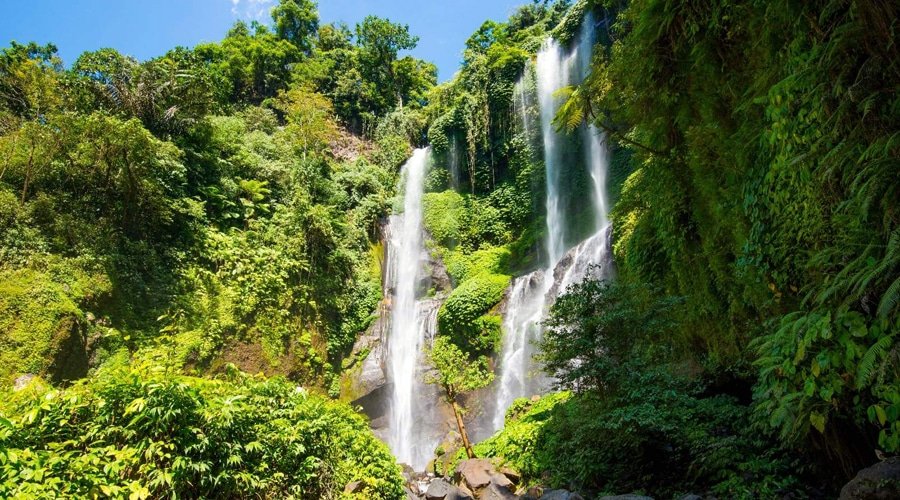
(457, 375)
(297, 21)
(255, 62)
(309, 116)
(379, 42)
(596, 329)
(167, 94)
(28, 79)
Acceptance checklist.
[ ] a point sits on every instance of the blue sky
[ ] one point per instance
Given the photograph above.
(147, 28)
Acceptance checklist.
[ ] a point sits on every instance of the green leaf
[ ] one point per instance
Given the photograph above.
(880, 413)
(818, 421)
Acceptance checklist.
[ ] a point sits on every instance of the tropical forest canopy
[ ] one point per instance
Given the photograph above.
(169, 226)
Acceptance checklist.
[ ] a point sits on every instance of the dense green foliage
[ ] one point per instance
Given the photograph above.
(208, 198)
(754, 171)
(658, 436)
(770, 207)
(144, 433)
(464, 315)
(221, 204)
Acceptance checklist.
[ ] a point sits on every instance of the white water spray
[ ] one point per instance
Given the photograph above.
(413, 322)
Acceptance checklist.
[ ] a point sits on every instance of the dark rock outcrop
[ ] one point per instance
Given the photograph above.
(878, 482)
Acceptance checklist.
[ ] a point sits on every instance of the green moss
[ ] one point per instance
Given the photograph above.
(443, 216)
(463, 314)
(42, 327)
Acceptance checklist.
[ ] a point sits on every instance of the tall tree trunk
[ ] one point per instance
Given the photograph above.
(462, 429)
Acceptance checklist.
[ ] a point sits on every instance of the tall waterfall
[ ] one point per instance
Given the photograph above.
(413, 323)
(553, 71)
(530, 296)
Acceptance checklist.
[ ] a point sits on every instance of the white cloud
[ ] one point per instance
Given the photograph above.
(254, 10)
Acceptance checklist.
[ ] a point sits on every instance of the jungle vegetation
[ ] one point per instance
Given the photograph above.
(167, 224)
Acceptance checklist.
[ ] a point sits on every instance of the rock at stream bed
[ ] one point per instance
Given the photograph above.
(481, 477)
(440, 489)
(495, 492)
(878, 482)
(560, 495)
(475, 473)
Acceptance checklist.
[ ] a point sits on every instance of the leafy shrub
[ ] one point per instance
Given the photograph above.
(818, 368)
(444, 216)
(145, 433)
(656, 436)
(462, 315)
(489, 260)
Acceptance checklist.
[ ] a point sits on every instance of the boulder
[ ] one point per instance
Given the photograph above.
(878, 482)
(354, 487)
(464, 493)
(626, 497)
(510, 474)
(501, 481)
(691, 496)
(475, 473)
(440, 489)
(494, 492)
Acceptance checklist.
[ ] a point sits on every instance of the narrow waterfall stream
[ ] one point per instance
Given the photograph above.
(414, 425)
(531, 295)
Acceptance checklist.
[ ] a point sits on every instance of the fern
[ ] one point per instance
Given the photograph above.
(890, 299)
(866, 369)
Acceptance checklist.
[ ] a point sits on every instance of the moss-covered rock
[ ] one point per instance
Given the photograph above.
(464, 315)
(43, 330)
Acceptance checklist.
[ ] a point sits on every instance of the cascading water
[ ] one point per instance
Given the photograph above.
(530, 295)
(552, 74)
(412, 422)
(520, 101)
(521, 324)
(453, 158)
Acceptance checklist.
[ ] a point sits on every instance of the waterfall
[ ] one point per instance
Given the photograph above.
(595, 149)
(453, 158)
(552, 74)
(520, 101)
(530, 296)
(413, 323)
(521, 323)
